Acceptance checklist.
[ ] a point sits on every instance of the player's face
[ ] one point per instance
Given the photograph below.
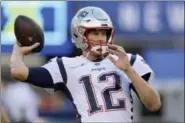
(98, 37)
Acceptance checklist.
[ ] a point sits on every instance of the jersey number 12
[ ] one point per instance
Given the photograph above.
(106, 93)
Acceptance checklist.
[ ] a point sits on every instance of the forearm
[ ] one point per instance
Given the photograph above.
(148, 96)
(4, 117)
(18, 69)
(37, 76)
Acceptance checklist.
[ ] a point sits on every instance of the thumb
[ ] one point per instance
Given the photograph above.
(27, 50)
(30, 48)
(112, 59)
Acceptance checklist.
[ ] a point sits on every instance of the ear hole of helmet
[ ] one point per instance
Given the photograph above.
(76, 36)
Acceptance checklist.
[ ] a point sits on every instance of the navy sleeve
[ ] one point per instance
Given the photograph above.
(40, 77)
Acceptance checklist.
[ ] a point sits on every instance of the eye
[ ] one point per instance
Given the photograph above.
(104, 32)
(96, 33)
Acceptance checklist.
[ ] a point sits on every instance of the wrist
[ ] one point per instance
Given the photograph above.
(128, 70)
(17, 51)
(16, 55)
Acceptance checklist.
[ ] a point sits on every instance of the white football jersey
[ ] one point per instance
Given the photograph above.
(99, 91)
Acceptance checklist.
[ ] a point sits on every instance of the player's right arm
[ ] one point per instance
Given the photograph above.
(44, 76)
(18, 69)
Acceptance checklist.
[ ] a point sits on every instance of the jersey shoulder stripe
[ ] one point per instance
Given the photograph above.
(62, 69)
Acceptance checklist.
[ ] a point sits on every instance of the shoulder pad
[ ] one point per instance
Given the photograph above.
(72, 62)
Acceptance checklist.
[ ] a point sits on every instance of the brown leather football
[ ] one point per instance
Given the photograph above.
(28, 32)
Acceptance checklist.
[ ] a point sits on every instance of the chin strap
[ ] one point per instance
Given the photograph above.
(103, 56)
(95, 49)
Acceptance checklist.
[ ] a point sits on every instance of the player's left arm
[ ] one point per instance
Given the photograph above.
(148, 95)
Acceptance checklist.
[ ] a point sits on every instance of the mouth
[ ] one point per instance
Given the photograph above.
(99, 50)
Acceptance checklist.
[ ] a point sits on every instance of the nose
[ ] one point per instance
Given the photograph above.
(101, 38)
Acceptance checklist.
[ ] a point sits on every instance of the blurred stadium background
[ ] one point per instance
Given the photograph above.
(154, 30)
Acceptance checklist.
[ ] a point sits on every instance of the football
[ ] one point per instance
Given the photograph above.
(28, 32)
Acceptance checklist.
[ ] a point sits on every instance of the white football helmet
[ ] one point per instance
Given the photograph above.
(91, 18)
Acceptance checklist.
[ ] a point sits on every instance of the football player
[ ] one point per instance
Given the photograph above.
(98, 82)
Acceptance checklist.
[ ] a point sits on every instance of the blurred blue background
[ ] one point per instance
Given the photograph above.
(155, 30)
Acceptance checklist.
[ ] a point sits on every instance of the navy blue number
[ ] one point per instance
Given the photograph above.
(90, 95)
(106, 93)
(94, 107)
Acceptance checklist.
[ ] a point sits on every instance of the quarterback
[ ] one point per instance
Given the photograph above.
(99, 82)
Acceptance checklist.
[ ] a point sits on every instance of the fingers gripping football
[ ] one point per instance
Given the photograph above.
(29, 49)
(26, 49)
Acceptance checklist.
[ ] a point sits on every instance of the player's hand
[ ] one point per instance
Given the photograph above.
(26, 49)
(123, 61)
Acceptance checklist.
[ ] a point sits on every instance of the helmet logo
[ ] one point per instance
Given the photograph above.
(82, 14)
